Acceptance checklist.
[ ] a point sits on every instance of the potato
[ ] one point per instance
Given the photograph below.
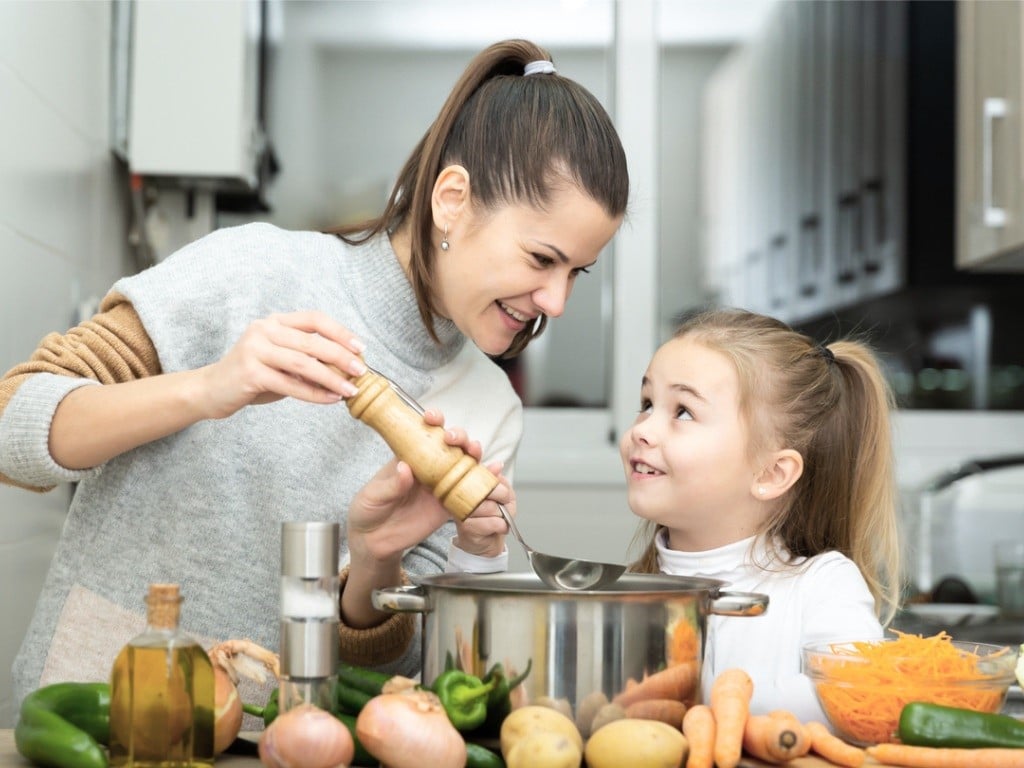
(588, 709)
(531, 719)
(545, 749)
(606, 714)
(559, 705)
(636, 743)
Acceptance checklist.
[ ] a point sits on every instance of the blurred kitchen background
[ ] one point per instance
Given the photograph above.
(846, 166)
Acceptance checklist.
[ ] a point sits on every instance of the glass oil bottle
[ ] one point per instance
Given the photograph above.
(162, 693)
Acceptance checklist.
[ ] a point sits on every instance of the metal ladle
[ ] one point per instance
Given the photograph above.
(459, 480)
(564, 572)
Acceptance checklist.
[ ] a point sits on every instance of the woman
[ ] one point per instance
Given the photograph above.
(510, 196)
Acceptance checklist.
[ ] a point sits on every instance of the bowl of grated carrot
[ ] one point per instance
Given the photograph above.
(863, 684)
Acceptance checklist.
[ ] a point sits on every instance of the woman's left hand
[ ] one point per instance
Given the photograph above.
(483, 532)
(394, 512)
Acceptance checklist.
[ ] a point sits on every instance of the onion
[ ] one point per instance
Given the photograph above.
(410, 730)
(306, 737)
(231, 659)
(227, 711)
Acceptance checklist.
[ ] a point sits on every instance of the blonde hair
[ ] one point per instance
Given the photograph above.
(832, 404)
(521, 138)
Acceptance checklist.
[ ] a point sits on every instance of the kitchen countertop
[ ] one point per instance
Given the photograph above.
(9, 758)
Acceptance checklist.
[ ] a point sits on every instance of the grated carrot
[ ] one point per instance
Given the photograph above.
(864, 687)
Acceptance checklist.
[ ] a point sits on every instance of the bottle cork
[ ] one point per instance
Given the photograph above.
(163, 605)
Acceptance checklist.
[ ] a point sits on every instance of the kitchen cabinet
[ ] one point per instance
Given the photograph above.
(990, 144)
(819, 203)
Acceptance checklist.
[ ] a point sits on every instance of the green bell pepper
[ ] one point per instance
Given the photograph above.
(935, 725)
(63, 725)
(464, 698)
(499, 702)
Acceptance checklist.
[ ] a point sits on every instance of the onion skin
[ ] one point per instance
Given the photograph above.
(306, 737)
(410, 730)
(227, 711)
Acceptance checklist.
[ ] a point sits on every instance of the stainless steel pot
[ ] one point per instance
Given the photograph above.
(580, 644)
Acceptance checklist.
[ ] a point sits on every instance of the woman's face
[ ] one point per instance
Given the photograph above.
(505, 268)
(686, 455)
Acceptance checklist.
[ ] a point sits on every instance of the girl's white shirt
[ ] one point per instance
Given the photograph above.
(819, 599)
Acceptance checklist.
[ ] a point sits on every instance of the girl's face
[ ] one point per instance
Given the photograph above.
(506, 268)
(686, 455)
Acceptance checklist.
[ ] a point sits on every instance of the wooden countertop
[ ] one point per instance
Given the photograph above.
(9, 757)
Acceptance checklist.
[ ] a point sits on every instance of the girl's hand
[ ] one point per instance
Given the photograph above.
(305, 355)
(483, 532)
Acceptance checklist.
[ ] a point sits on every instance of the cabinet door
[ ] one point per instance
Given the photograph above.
(990, 177)
(811, 164)
(847, 247)
(882, 158)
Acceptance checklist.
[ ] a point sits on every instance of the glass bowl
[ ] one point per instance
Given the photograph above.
(863, 684)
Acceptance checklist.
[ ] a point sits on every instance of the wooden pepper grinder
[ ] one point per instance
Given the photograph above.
(458, 480)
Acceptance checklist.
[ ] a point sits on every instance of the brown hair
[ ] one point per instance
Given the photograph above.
(832, 405)
(520, 138)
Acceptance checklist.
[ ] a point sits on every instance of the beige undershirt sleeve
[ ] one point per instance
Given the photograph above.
(110, 347)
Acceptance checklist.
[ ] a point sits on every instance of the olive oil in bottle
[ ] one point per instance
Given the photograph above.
(162, 693)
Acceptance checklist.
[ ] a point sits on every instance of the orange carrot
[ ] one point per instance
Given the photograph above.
(684, 644)
(668, 711)
(730, 704)
(775, 738)
(678, 682)
(699, 730)
(831, 747)
(946, 757)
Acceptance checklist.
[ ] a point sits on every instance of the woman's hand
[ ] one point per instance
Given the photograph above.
(305, 355)
(483, 532)
(394, 511)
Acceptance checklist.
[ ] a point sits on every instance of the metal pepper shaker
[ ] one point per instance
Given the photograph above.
(309, 613)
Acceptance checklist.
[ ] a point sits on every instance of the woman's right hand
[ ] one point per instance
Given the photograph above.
(305, 355)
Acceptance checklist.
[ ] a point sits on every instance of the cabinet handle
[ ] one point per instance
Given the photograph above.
(992, 216)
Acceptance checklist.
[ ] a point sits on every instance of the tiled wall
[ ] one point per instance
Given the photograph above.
(61, 240)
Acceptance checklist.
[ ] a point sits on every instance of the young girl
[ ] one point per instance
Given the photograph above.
(764, 459)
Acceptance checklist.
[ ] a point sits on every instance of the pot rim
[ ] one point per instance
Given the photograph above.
(526, 582)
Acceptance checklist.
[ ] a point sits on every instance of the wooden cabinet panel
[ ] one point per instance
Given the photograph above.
(990, 196)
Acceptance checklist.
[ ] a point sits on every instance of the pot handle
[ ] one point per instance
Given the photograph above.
(407, 599)
(738, 604)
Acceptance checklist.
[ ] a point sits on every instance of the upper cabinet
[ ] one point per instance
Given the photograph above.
(804, 197)
(990, 147)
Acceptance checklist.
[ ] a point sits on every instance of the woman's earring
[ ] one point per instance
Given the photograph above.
(760, 489)
(444, 239)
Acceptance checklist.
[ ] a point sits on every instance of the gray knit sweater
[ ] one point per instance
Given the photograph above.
(203, 507)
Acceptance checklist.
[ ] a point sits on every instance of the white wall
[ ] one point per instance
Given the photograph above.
(61, 241)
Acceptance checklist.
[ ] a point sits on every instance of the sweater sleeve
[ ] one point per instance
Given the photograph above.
(111, 347)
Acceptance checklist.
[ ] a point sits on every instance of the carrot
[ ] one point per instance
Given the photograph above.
(831, 747)
(678, 682)
(775, 737)
(684, 645)
(730, 704)
(668, 711)
(699, 730)
(946, 757)
(866, 684)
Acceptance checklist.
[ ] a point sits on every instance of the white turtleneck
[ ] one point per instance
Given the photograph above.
(819, 599)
